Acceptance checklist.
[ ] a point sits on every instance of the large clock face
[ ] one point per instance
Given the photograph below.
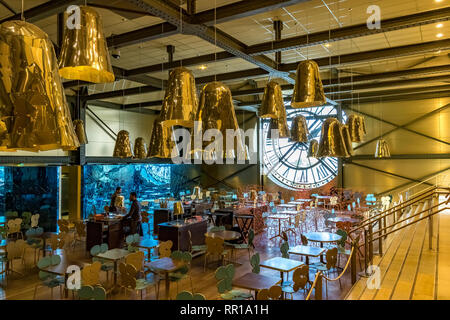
(287, 163)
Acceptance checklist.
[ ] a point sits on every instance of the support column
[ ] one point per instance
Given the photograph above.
(278, 26)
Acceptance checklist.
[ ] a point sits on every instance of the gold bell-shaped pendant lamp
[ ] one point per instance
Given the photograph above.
(332, 142)
(122, 149)
(180, 101)
(34, 109)
(80, 131)
(196, 193)
(216, 111)
(299, 129)
(356, 127)
(161, 142)
(140, 148)
(308, 88)
(280, 125)
(313, 148)
(272, 105)
(382, 149)
(84, 51)
(347, 139)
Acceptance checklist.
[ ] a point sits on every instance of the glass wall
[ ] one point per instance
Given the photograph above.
(149, 181)
(31, 189)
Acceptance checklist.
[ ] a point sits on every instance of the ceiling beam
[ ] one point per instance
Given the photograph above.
(239, 10)
(374, 55)
(44, 10)
(142, 35)
(350, 32)
(212, 35)
(400, 157)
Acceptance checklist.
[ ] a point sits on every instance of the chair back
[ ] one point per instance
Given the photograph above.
(97, 249)
(254, 262)
(300, 277)
(285, 250)
(136, 259)
(90, 274)
(297, 220)
(331, 257)
(224, 276)
(214, 245)
(251, 237)
(35, 220)
(165, 249)
(57, 241)
(11, 215)
(26, 219)
(45, 262)
(14, 225)
(186, 295)
(128, 275)
(273, 293)
(217, 229)
(92, 293)
(304, 240)
(63, 225)
(343, 239)
(81, 228)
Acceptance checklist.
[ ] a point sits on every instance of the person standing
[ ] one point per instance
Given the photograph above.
(134, 215)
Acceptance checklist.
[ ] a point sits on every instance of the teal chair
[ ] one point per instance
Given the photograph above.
(49, 280)
(224, 276)
(92, 293)
(35, 243)
(186, 295)
(254, 262)
(131, 240)
(217, 229)
(184, 272)
(285, 250)
(106, 264)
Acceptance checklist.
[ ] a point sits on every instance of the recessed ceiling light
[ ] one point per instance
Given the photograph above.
(439, 25)
(438, 52)
(203, 67)
(439, 35)
(437, 1)
(327, 45)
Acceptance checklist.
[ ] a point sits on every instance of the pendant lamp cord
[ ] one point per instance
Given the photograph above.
(215, 36)
(22, 17)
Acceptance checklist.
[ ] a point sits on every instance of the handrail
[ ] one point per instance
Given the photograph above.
(318, 274)
(415, 221)
(394, 209)
(345, 268)
(416, 214)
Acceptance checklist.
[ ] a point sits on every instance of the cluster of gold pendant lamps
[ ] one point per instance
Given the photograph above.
(336, 138)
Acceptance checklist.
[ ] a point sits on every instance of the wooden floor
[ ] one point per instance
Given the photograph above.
(409, 269)
(22, 287)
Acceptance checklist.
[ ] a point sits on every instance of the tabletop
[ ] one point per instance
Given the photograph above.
(278, 216)
(147, 243)
(225, 235)
(254, 281)
(344, 219)
(322, 197)
(281, 264)
(114, 254)
(164, 264)
(307, 251)
(61, 268)
(287, 205)
(303, 200)
(293, 212)
(322, 236)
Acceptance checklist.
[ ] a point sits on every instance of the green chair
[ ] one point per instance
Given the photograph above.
(341, 245)
(285, 250)
(185, 271)
(217, 229)
(224, 276)
(254, 262)
(131, 240)
(49, 280)
(11, 215)
(329, 266)
(106, 264)
(92, 293)
(26, 220)
(186, 295)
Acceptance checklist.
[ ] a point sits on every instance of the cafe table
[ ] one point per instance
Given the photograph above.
(287, 206)
(114, 255)
(353, 221)
(283, 265)
(255, 282)
(165, 266)
(307, 251)
(61, 268)
(322, 237)
(148, 244)
(278, 217)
